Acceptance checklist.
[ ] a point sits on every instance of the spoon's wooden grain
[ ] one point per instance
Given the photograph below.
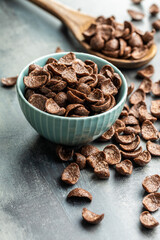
(77, 22)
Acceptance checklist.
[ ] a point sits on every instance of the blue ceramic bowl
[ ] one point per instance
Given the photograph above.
(67, 130)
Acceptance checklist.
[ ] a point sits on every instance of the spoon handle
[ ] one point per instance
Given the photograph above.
(74, 20)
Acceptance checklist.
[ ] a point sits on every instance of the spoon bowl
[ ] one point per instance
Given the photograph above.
(78, 22)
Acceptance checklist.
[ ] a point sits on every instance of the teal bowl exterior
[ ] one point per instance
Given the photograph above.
(66, 130)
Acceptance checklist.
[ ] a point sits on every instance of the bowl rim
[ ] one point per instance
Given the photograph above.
(124, 96)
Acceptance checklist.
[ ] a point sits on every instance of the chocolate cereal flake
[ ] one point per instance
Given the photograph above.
(130, 120)
(93, 159)
(153, 148)
(88, 33)
(97, 42)
(139, 52)
(151, 183)
(112, 153)
(152, 202)
(106, 136)
(51, 95)
(77, 93)
(108, 87)
(130, 88)
(71, 108)
(69, 75)
(84, 88)
(81, 111)
(29, 92)
(154, 9)
(80, 160)
(156, 88)
(111, 45)
(56, 84)
(119, 125)
(88, 150)
(58, 50)
(112, 54)
(155, 108)
(124, 138)
(67, 59)
(149, 132)
(122, 45)
(79, 193)
(147, 220)
(95, 96)
(146, 85)
(125, 167)
(124, 113)
(73, 98)
(41, 72)
(52, 107)
(50, 60)
(104, 106)
(9, 82)
(93, 65)
(127, 52)
(148, 37)
(134, 110)
(33, 67)
(145, 115)
(64, 153)
(143, 158)
(91, 217)
(135, 41)
(102, 170)
(137, 16)
(107, 31)
(133, 129)
(128, 30)
(34, 82)
(132, 154)
(56, 68)
(156, 25)
(71, 174)
(38, 101)
(80, 68)
(131, 146)
(146, 72)
(90, 80)
(107, 69)
(126, 107)
(44, 90)
(137, 96)
(113, 102)
(117, 81)
(136, 1)
(61, 99)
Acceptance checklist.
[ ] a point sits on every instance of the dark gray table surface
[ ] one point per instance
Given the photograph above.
(33, 202)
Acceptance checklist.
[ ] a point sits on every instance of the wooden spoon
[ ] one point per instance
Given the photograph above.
(78, 22)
